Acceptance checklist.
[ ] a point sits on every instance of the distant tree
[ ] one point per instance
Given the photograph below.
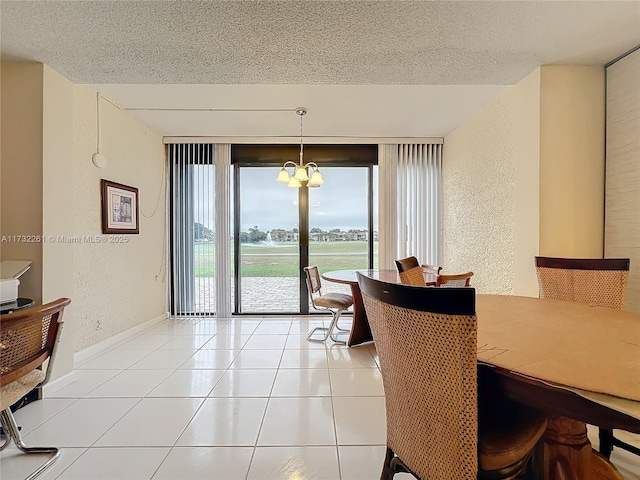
(295, 230)
(315, 230)
(256, 235)
(202, 233)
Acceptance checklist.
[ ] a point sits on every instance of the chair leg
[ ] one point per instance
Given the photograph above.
(333, 326)
(328, 331)
(606, 442)
(13, 433)
(342, 329)
(387, 474)
(609, 440)
(318, 329)
(398, 466)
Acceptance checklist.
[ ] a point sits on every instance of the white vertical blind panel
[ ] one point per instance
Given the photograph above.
(223, 229)
(387, 205)
(418, 205)
(212, 215)
(198, 251)
(187, 220)
(173, 154)
(193, 216)
(186, 227)
(405, 210)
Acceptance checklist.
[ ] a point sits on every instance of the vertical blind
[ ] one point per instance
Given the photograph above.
(200, 230)
(409, 202)
(223, 229)
(200, 216)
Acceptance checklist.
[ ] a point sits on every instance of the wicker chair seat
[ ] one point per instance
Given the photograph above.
(505, 440)
(28, 345)
(334, 300)
(14, 391)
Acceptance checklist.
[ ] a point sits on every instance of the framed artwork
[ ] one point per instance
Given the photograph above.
(119, 208)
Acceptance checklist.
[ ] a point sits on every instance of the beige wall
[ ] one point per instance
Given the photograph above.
(48, 140)
(57, 203)
(478, 197)
(490, 193)
(527, 181)
(572, 132)
(21, 171)
(525, 177)
(116, 285)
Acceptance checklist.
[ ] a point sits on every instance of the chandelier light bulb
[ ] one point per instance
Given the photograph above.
(316, 179)
(301, 174)
(283, 176)
(294, 183)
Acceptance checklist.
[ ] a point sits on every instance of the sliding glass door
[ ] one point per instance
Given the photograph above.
(276, 230)
(279, 230)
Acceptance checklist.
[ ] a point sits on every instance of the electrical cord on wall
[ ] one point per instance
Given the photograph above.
(155, 210)
(162, 187)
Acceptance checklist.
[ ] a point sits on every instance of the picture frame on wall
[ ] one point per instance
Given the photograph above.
(119, 208)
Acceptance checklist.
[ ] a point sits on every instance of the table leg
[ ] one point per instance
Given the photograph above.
(567, 453)
(360, 330)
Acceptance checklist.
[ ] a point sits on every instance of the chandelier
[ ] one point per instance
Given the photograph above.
(300, 171)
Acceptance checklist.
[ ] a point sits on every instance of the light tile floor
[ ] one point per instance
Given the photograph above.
(247, 398)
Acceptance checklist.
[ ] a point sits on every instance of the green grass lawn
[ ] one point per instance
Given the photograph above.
(282, 260)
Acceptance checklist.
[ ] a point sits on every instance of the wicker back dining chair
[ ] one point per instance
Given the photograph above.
(458, 280)
(28, 338)
(411, 272)
(426, 340)
(600, 282)
(334, 302)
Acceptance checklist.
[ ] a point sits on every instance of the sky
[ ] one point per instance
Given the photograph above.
(341, 202)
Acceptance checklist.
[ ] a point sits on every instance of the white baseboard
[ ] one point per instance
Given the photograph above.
(95, 350)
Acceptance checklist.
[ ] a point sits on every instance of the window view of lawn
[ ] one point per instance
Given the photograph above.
(270, 277)
(281, 259)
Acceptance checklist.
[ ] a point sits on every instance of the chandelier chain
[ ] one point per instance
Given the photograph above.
(301, 112)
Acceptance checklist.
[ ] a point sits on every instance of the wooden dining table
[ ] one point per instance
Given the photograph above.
(360, 330)
(580, 364)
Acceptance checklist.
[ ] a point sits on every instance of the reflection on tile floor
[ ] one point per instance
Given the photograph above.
(246, 398)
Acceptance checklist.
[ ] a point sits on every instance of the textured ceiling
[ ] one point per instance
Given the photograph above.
(314, 42)
(421, 43)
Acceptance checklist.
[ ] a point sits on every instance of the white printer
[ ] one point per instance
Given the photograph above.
(10, 270)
